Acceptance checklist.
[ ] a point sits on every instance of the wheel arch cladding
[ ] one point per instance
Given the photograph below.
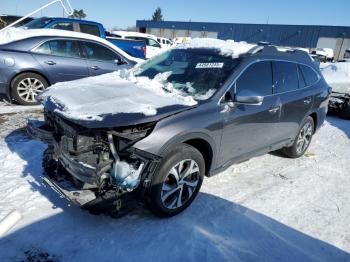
(205, 149)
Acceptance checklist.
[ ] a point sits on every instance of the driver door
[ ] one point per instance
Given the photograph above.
(250, 128)
(101, 59)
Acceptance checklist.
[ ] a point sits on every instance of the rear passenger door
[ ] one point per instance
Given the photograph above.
(248, 129)
(61, 59)
(101, 59)
(294, 95)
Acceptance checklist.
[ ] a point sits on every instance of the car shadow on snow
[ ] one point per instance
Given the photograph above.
(342, 124)
(211, 229)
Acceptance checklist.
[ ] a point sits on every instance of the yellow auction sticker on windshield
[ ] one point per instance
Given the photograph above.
(209, 65)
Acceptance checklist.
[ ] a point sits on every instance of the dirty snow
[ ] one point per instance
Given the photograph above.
(337, 76)
(226, 47)
(86, 99)
(270, 208)
(14, 34)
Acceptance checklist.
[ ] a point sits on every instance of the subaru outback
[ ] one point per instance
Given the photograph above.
(149, 135)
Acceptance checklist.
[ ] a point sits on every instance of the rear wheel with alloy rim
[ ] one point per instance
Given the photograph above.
(178, 180)
(26, 87)
(302, 141)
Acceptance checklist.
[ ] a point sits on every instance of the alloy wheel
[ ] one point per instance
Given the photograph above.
(180, 184)
(304, 137)
(29, 88)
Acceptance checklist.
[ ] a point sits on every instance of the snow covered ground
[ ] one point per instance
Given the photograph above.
(267, 209)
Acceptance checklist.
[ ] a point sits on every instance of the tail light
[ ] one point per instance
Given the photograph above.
(144, 50)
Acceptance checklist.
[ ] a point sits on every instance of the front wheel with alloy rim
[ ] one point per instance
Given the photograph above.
(177, 182)
(25, 88)
(303, 139)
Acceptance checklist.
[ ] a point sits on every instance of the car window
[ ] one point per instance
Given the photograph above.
(38, 23)
(65, 48)
(285, 76)
(151, 42)
(309, 74)
(89, 29)
(63, 26)
(302, 82)
(99, 52)
(44, 49)
(255, 80)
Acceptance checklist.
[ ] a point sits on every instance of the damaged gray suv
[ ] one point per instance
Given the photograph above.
(149, 135)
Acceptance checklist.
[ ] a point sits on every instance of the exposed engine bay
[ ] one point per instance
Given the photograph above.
(97, 169)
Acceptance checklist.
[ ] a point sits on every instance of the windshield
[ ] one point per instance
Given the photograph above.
(38, 23)
(196, 72)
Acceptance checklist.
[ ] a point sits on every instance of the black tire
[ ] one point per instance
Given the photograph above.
(18, 89)
(295, 152)
(178, 154)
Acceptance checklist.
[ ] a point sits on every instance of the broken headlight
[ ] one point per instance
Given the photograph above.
(134, 132)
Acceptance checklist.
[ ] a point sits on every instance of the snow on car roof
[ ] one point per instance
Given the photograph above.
(226, 47)
(14, 34)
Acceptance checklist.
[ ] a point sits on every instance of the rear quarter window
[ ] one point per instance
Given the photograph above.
(310, 76)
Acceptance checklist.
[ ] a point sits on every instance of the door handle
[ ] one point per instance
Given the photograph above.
(50, 62)
(274, 110)
(95, 68)
(307, 101)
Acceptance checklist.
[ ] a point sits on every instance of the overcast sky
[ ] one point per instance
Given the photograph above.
(124, 13)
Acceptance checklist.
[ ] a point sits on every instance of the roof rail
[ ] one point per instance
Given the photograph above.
(273, 50)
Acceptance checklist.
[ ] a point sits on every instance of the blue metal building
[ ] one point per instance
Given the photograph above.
(307, 36)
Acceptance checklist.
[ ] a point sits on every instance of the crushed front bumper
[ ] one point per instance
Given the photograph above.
(56, 178)
(81, 183)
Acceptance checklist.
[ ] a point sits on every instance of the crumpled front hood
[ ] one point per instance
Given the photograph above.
(111, 100)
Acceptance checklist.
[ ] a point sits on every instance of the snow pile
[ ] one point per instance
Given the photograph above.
(227, 48)
(14, 34)
(337, 76)
(119, 92)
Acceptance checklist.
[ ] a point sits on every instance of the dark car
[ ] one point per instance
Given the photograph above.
(259, 101)
(32, 64)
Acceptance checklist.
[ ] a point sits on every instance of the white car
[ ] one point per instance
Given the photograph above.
(165, 42)
(326, 52)
(153, 47)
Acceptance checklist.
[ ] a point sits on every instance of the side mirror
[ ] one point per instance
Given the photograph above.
(249, 100)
